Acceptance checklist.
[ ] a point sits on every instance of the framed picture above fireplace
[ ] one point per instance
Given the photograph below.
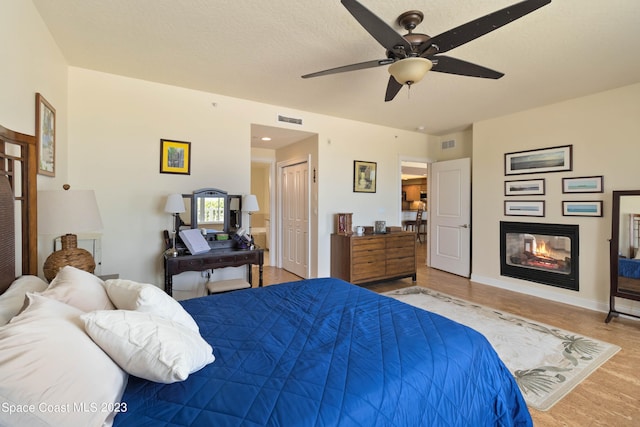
(552, 159)
(582, 208)
(524, 208)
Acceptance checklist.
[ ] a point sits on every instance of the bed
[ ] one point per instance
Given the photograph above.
(313, 352)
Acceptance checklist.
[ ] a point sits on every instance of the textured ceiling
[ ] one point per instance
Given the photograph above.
(258, 50)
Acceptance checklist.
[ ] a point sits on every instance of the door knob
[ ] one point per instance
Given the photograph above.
(465, 226)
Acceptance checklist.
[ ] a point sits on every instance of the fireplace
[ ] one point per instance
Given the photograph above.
(541, 253)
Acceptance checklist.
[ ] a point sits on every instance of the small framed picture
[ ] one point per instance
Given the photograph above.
(524, 208)
(583, 184)
(364, 177)
(175, 157)
(582, 208)
(524, 187)
(46, 136)
(553, 159)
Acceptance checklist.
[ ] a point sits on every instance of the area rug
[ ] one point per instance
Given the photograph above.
(547, 362)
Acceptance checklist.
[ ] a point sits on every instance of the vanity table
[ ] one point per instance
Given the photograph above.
(215, 258)
(215, 213)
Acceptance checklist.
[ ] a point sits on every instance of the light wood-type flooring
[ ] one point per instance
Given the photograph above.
(608, 397)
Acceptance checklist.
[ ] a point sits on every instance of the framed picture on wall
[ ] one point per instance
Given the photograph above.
(46, 136)
(582, 208)
(583, 184)
(364, 176)
(524, 208)
(524, 187)
(552, 159)
(175, 157)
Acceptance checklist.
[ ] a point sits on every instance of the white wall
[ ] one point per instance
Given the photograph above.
(116, 124)
(603, 129)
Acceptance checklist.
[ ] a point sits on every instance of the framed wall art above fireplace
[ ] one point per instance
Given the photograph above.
(552, 159)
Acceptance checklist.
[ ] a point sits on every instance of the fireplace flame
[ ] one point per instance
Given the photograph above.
(541, 249)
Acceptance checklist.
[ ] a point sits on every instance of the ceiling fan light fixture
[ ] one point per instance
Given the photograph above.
(408, 71)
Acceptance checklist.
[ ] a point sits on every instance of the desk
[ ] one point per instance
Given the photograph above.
(215, 258)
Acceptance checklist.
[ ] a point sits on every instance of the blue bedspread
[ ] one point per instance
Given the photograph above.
(629, 267)
(322, 352)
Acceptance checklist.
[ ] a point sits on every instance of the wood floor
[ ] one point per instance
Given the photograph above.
(608, 397)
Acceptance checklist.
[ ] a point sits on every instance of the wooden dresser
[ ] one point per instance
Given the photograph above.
(373, 257)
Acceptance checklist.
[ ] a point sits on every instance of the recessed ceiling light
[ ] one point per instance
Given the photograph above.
(265, 138)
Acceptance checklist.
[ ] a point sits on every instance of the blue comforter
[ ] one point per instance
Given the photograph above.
(322, 352)
(629, 267)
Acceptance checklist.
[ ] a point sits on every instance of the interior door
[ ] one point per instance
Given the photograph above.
(450, 216)
(295, 218)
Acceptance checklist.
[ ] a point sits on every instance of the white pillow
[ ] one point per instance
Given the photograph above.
(148, 346)
(52, 369)
(13, 299)
(130, 295)
(80, 289)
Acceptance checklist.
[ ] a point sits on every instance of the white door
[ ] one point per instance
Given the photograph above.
(295, 218)
(450, 216)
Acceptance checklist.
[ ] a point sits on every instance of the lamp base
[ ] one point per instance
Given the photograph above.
(70, 254)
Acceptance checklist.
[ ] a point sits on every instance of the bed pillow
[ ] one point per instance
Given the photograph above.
(147, 345)
(54, 371)
(80, 289)
(130, 295)
(12, 301)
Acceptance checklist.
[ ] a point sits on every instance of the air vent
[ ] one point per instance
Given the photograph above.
(286, 119)
(448, 144)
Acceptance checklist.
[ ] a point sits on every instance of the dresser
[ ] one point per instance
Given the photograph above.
(373, 257)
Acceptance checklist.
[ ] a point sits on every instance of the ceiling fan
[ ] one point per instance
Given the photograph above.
(411, 56)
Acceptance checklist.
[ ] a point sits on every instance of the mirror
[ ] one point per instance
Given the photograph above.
(185, 217)
(208, 209)
(625, 248)
(213, 210)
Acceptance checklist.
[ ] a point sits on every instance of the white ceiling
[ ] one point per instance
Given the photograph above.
(258, 50)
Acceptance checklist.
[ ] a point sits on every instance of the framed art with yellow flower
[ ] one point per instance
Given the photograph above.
(175, 157)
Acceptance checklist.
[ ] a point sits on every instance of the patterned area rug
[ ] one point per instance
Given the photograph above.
(547, 362)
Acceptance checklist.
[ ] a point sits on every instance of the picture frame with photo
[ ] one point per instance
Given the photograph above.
(175, 157)
(583, 184)
(525, 187)
(582, 208)
(45, 136)
(524, 208)
(364, 176)
(552, 159)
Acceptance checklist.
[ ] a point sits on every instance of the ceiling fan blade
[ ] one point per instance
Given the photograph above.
(481, 26)
(389, 38)
(393, 87)
(352, 67)
(446, 64)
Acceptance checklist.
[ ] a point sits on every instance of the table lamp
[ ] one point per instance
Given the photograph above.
(174, 206)
(250, 205)
(68, 211)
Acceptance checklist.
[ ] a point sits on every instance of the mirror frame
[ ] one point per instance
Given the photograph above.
(614, 254)
(209, 192)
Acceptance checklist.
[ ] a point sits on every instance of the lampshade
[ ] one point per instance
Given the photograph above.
(410, 70)
(250, 203)
(175, 204)
(66, 213)
(234, 204)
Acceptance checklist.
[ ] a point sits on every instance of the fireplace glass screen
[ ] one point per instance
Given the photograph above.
(542, 253)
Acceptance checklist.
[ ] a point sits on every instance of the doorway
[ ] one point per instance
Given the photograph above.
(414, 198)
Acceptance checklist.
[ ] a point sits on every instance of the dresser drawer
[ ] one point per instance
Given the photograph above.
(400, 266)
(367, 244)
(406, 242)
(364, 271)
(369, 257)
